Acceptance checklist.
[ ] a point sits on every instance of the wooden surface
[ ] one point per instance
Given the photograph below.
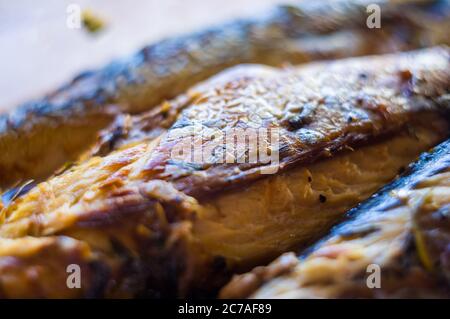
(38, 52)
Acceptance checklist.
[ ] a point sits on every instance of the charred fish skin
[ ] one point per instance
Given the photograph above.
(403, 230)
(92, 100)
(143, 226)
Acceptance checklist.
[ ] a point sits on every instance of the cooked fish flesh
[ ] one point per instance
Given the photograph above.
(142, 220)
(404, 230)
(42, 136)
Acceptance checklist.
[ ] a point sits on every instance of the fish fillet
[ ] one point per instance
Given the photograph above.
(404, 232)
(144, 223)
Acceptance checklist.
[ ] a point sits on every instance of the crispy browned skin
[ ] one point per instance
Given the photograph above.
(162, 226)
(317, 110)
(404, 230)
(38, 138)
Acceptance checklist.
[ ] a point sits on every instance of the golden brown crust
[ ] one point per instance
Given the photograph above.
(58, 128)
(316, 110)
(139, 222)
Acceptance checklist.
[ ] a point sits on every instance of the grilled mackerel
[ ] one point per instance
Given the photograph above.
(140, 220)
(42, 136)
(404, 231)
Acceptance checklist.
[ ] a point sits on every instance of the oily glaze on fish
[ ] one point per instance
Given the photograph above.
(404, 230)
(38, 138)
(141, 223)
(317, 110)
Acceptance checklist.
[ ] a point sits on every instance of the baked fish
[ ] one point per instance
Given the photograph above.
(42, 136)
(148, 219)
(403, 231)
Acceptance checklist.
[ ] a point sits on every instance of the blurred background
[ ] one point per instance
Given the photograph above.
(39, 52)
